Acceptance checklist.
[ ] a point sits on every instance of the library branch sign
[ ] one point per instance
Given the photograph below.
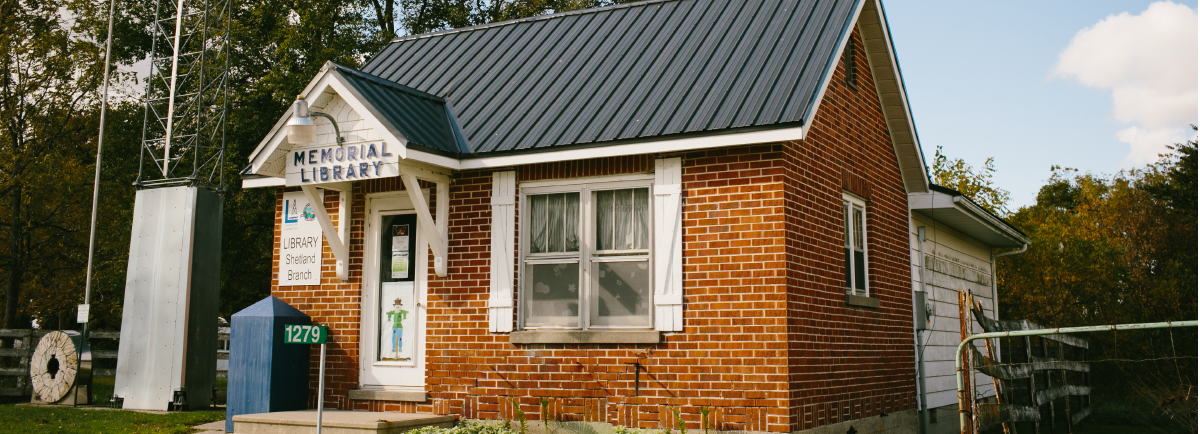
(300, 241)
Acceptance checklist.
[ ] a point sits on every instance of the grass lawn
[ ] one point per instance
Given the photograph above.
(25, 419)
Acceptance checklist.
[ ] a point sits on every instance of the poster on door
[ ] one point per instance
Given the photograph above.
(398, 322)
(400, 251)
(299, 241)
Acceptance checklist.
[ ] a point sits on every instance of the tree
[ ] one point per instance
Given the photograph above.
(423, 16)
(45, 99)
(978, 186)
(1108, 250)
(48, 123)
(1116, 250)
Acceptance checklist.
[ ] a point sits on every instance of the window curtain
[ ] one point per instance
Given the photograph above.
(623, 219)
(554, 223)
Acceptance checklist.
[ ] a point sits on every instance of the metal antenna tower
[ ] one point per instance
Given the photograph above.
(183, 132)
(165, 359)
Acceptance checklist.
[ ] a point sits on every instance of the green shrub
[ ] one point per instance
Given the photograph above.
(627, 430)
(469, 427)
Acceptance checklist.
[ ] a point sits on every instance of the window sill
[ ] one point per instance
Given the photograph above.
(860, 301)
(586, 337)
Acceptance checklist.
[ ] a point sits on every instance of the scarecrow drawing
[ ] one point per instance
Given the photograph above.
(397, 316)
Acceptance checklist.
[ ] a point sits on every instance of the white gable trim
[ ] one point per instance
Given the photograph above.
(908, 155)
(328, 80)
(368, 113)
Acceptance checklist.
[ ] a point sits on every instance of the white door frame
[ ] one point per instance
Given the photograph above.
(373, 374)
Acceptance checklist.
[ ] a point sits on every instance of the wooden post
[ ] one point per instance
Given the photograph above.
(995, 383)
(1049, 384)
(1087, 381)
(1032, 383)
(1067, 408)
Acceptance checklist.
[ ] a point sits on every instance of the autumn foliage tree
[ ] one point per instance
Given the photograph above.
(1108, 250)
(1117, 250)
(978, 184)
(1105, 250)
(46, 102)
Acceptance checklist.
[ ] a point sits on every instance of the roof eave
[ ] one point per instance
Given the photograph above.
(659, 145)
(893, 97)
(949, 207)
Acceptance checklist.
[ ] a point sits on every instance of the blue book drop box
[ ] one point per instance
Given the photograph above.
(265, 374)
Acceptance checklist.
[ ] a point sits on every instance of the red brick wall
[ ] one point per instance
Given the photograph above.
(768, 340)
(725, 357)
(333, 303)
(847, 363)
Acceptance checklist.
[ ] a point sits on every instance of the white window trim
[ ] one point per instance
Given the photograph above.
(585, 187)
(858, 200)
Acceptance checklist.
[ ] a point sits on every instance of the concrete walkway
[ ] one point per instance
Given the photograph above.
(333, 422)
(217, 427)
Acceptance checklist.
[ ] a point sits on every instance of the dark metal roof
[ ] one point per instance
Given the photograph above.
(421, 118)
(632, 71)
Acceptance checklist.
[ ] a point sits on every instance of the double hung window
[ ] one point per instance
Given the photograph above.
(586, 256)
(854, 229)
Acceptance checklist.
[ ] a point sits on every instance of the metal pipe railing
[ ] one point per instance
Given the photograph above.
(958, 363)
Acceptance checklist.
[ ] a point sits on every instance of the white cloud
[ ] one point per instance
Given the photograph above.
(1148, 63)
(1145, 145)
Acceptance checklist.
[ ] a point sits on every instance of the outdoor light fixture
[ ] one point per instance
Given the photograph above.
(302, 129)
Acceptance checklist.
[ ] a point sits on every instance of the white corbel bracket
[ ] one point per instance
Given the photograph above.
(341, 251)
(436, 232)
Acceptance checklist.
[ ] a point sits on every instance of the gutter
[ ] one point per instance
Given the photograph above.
(985, 215)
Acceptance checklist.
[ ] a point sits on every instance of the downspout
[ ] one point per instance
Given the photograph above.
(996, 294)
(923, 417)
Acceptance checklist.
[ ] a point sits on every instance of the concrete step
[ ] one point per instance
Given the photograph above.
(336, 422)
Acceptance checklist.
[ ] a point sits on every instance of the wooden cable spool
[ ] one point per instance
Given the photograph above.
(53, 366)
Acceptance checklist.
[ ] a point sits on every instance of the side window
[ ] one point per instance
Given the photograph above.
(854, 229)
(586, 258)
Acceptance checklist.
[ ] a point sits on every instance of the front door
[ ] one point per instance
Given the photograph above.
(393, 296)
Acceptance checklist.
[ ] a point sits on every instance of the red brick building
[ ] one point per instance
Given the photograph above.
(654, 206)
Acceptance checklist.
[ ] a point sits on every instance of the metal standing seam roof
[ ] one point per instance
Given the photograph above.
(633, 71)
(422, 119)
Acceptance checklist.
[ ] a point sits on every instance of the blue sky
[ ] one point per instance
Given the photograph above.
(981, 82)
